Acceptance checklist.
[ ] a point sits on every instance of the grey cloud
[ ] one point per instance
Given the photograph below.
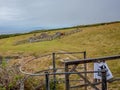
(57, 13)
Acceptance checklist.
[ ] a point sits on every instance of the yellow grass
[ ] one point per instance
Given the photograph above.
(98, 41)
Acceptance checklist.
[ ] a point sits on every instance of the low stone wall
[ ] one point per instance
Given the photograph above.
(46, 37)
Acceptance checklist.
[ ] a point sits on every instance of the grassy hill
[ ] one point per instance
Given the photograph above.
(96, 40)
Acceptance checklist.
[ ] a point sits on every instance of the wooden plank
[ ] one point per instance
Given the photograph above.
(67, 87)
(109, 81)
(83, 85)
(74, 67)
(87, 80)
(90, 60)
(83, 77)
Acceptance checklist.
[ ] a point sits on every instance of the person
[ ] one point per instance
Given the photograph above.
(98, 66)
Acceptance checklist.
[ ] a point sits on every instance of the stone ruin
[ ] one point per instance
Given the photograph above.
(46, 37)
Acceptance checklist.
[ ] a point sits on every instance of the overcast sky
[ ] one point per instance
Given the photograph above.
(27, 15)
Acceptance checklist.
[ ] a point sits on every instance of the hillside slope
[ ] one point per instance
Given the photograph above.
(97, 41)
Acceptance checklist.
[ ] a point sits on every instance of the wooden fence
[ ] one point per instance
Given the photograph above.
(73, 70)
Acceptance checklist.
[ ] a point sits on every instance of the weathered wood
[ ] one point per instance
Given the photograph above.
(67, 87)
(83, 85)
(90, 60)
(104, 80)
(70, 52)
(74, 67)
(83, 77)
(54, 70)
(85, 69)
(87, 80)
(47, 80)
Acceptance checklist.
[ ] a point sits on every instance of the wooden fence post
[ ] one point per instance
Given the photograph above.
(104, 80)
(54, 70)
(85, 69)
(47, 81)
(67, 86)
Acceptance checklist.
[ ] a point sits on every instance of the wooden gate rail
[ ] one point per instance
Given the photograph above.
(83, 61)
(63, 73)
(90, 60)
(54, 64)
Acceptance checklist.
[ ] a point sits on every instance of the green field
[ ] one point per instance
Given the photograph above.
(97, 41)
